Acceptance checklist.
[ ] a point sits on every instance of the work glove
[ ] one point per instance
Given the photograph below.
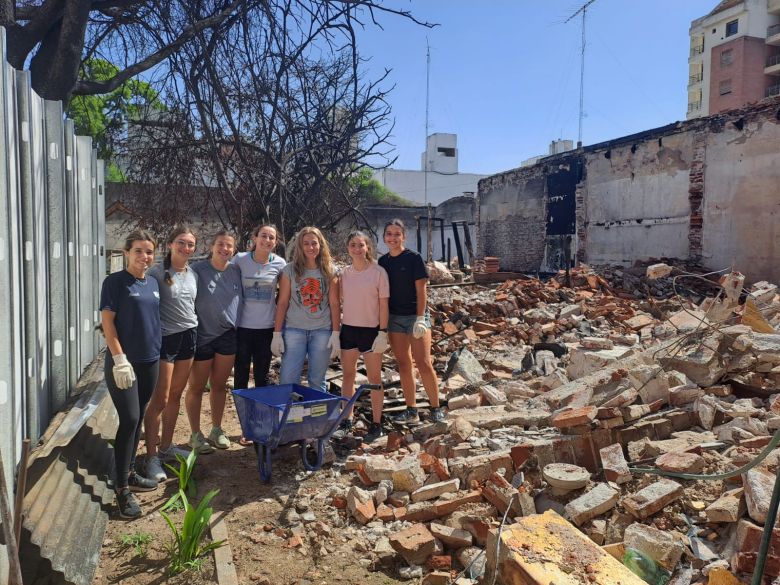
(380, 343)
(420, 327)
(334, 344)
(277, 344)
(124, 376)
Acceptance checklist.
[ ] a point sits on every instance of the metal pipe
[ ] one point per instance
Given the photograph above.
(766, 537)
(458, 248)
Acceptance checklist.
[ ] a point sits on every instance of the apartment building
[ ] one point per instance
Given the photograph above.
(734, 57)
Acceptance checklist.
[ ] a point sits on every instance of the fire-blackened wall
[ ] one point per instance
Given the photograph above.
(704, 190)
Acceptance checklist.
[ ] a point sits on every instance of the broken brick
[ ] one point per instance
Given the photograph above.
(653, 498)
(415, 544)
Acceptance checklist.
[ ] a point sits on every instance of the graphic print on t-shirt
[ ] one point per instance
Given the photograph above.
(259, 287)
(310, 294)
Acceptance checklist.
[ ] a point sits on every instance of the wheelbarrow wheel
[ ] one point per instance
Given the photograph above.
(312, 455)
(264, 461)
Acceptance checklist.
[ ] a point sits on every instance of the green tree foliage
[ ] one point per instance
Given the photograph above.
(104, 117)
(369, 191)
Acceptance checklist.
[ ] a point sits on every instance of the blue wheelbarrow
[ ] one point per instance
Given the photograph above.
(278, 415)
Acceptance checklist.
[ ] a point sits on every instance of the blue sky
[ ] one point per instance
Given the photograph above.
(505, 73)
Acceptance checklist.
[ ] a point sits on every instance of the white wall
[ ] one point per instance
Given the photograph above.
(411, 184)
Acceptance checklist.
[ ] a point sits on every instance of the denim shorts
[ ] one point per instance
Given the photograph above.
(405, 323)
(225, 344)
(179, 346)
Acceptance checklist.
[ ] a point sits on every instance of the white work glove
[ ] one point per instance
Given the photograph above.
(380, 343)
(420, 327)
(277, 344)
(124, 376)
(334, 344)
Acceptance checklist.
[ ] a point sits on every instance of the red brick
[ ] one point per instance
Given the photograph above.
(439, 562)
(415, 544)
(574, 417)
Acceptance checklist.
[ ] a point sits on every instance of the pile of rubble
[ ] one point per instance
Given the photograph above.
(554, 394)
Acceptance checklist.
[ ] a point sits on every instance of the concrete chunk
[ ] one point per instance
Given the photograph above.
(730, 507)
(452, 537)
(408, 476)
(662, 547)
(434, 490)
(597, 501)
(758, 491)
(653, 498)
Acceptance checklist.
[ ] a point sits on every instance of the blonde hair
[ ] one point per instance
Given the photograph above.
(370, 253)
(324, 262)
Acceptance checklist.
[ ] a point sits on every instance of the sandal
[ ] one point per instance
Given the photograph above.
(244, 442)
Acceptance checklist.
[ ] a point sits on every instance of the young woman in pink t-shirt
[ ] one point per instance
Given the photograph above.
(364, 292)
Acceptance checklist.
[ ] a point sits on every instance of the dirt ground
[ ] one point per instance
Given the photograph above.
(264, 549)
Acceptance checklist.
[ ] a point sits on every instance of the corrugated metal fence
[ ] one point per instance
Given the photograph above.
(52, 234)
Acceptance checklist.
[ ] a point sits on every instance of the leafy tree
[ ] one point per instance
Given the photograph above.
(370, 191)
(53, 37)
(104, 117)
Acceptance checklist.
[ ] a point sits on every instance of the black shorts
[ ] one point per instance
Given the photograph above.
(225, 344)
(179, 346)
(361, 338)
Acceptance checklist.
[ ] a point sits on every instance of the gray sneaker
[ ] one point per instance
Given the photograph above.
(154, 468)
(169, 455)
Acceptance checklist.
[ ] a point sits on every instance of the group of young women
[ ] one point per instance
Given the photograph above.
(174, 326)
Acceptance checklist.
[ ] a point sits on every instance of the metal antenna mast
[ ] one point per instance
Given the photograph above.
(427, 97)
(583, 9)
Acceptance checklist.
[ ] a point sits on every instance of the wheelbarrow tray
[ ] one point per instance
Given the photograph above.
(269, 416)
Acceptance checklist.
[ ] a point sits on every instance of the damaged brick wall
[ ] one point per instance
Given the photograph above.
(512, 218)
(703, 190)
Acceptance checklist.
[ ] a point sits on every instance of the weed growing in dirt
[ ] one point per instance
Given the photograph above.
(138, 541)
(186, 549)
(186, 482)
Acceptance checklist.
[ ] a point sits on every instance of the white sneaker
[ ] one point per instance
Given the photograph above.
(199, 444)
(171, 452)
(154, 469)
(218, 438)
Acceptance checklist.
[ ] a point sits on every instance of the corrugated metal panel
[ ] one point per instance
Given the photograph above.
(66, 508)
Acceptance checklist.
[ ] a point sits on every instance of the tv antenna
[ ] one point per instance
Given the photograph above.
(583, 10)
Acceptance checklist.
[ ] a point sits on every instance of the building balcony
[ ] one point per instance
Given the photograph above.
(694, 79)
(773, 6)
(773, 35)
(699, 49)
(773, 65)
(772, 90)
(694, 106)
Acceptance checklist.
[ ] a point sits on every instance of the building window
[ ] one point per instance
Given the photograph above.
(726, 57)
(725, 87)
(448, 152)
(732, 27)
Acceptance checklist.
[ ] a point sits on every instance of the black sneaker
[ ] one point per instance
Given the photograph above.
(139, 483)
(127, 504)
(374, 432)
(345, 428)
(407, 417)
(438, 414)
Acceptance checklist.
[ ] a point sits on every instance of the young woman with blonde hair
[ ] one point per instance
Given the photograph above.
(307, 311)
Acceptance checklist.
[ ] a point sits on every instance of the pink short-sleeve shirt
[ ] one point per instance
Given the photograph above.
(360, 294)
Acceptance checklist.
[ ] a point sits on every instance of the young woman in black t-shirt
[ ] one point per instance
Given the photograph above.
(130, 316)
(409, 327)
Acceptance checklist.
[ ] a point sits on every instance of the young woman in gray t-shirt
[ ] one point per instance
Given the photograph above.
(306, 327)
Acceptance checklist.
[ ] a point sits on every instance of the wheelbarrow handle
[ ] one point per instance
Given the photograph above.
(350, 402)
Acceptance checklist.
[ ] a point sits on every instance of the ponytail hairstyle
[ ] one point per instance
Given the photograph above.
(261, 226)
(177, 231)
(138, 236)
(398, 223)
(370, 253)
(324, 262)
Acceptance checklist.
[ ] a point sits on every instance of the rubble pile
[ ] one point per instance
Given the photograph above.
(554, 395)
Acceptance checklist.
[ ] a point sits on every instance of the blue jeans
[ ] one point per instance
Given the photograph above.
(298, 343)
